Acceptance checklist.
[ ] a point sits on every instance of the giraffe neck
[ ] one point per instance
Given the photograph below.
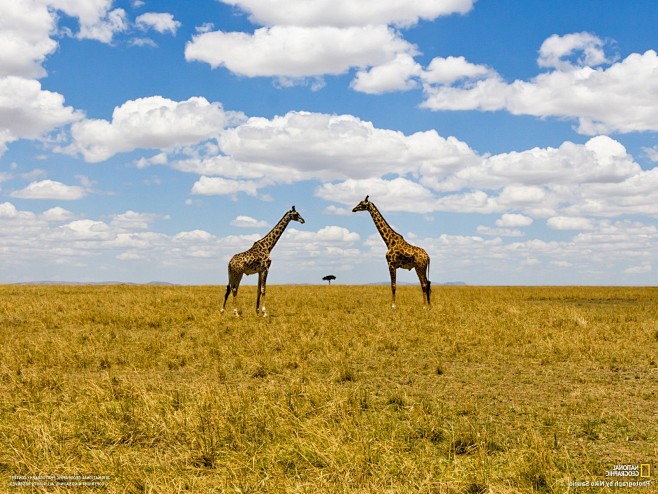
(385, 230)
(270, 240)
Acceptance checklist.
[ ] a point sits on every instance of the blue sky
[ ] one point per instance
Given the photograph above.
(151, 140)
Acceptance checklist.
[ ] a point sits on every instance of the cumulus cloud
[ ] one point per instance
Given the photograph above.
(161, 22)
(641, 269)
(57, 214)
(555, 50)
(396, 75)
(242, 221)
(25, 30)
(499, 232)
(8, 210)
(304, 145)
(61, 243)
(569, 223)
(311, 146)
(604, 96)
(29, 112)
(514, 220)
(218, 186)
(447, 71)
(153, 122)
(50, 189)
(601, 160)
(354, 158)
(342, 13)
(103, 28)
(132, 220)
(311, 39)
(401, 194)
(298, 51)
(651, 153)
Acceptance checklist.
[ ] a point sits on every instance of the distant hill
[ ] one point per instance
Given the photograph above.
(409, 283)
(154, 283)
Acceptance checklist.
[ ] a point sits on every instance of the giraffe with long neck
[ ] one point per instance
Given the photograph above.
(257, 260)
(400, 254)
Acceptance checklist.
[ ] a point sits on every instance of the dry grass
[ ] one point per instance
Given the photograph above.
(499, 390)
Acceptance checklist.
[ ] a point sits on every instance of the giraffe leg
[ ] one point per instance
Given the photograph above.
(262, 282)
(391, 270)
(234, 284)
(424, 284)
(228, 291)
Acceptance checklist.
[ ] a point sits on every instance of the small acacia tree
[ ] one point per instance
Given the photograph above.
(329, 277)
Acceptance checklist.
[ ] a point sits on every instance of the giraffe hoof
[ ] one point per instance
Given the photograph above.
(393, 307)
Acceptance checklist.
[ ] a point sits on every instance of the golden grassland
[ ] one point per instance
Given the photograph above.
(492, 390)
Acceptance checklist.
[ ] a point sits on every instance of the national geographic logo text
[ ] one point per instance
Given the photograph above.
(642, 471)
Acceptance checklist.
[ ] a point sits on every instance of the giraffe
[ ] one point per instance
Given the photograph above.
(400, 253)
(257, 260)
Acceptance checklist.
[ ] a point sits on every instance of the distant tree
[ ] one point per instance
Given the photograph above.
(329, 277)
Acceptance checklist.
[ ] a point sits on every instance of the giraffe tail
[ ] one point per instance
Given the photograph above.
(429, 283)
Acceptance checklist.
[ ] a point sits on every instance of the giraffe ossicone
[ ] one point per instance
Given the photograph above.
(257, 260)
(400, 254)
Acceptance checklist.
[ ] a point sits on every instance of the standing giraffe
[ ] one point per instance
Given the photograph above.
(256, 260)
(400, 254)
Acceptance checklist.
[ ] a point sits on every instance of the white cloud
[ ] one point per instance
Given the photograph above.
(325, 37)
(50, 189)
(337, 211)
(597, 178)
(28, 112)
(569, 223)
(153, 122)
(248, 222)
(641, 269)
(8, 210)
(555, 49)
(395, 75)
(85, 230)
(447, 71)
(616, 98)
(133, 221)
(57, 214)
(342, 13)
(600, 160)
(194, 235)
(499, 232)
(296, 51)
(302, 146)
(401, 194)
(651, 152)
(143, 42)
(25, 29)
(514, 220)
(104, 28)
(626, 247)
(217, 186)
(159, 21)
(337, 234)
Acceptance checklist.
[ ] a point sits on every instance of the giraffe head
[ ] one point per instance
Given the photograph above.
(362, 206)
(294, 215)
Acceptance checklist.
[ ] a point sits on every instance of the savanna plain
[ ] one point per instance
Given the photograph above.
(492, 390)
